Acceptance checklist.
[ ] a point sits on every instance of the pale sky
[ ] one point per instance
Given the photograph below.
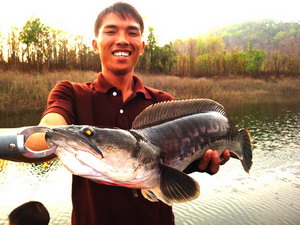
(171, 19)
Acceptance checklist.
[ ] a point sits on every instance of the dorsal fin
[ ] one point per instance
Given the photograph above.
(170, 110)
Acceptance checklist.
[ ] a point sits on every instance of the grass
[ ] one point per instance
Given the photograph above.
(21, 92)
(229, 90)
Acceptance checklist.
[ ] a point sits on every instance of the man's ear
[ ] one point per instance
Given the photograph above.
(95, 46)
(143, 47)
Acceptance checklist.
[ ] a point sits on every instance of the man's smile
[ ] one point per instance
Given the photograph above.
(121, 53)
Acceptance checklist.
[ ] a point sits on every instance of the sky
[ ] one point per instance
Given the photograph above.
(171, 19)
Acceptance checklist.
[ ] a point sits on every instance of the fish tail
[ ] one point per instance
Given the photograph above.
(246, 149)
(246, 157)
(175, 187)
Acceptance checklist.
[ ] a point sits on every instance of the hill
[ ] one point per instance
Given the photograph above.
(268, 35)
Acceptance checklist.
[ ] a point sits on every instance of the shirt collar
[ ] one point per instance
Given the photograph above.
(101, 85)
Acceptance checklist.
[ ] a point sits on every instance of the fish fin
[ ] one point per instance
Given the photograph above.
(247, 149)
(234, 155)
(175, 186)
(246, 157)
(170, 110)
(148, 194)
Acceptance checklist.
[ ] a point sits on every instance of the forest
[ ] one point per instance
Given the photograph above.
(251, 48)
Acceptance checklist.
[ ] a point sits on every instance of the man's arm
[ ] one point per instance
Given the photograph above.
(37, 141)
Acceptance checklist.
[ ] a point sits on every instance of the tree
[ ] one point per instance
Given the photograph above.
(215, 44)
(1, 49)
(167, 57)
(191, 46)
(149, 61)
(34, 35)
(254, 59)
(13, 50)
(216, 49)
(150, 50)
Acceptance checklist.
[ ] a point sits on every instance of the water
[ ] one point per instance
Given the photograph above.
(49, 184)
(269, 195)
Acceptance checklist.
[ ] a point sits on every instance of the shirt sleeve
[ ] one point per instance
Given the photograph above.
(61, 101)
(164, 96)
(158, 95)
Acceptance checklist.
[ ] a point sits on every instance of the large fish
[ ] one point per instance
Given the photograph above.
(165, 139)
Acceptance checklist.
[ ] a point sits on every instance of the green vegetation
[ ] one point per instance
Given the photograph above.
(266, 34)
(23, 93)
(257, 49)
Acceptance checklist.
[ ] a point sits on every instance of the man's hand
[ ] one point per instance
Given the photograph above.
(209, 163)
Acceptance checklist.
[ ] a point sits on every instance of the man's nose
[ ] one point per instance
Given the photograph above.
(122, 39)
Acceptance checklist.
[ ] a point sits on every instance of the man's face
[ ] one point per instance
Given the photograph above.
(119, 44)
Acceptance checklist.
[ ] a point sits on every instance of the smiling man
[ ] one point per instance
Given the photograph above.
(114, 99)
(119, 44)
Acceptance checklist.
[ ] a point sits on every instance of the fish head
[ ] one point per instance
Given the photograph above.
(75, 137)
(110, 156)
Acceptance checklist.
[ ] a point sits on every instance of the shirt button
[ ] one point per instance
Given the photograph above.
(114, 93)
(121, 111)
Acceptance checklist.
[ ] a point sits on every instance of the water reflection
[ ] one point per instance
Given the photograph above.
(14, 120)
(49, 184)
(269, 195)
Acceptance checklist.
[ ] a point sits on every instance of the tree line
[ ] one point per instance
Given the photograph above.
(253, 48)
(38, 47)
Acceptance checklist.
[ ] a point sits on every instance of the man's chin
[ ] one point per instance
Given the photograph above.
(123, 72)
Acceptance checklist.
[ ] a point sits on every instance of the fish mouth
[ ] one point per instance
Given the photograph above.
(69, 136)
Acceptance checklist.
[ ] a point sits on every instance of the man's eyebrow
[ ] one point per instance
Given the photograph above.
(133, 28)
(110, 26)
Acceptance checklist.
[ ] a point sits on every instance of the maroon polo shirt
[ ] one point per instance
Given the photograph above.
(98, 103)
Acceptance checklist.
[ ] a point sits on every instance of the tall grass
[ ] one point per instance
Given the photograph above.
(229, 90)
(21, 92)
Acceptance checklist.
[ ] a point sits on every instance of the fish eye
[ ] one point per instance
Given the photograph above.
(87, 131)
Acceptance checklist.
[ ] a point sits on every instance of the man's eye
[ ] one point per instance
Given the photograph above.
(133, 34)
(110, 32)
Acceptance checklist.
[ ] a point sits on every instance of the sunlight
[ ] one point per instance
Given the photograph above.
(170, 19)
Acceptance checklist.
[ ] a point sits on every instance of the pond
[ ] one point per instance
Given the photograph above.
(270, 194)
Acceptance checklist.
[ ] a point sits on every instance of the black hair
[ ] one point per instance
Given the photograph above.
(123, 10)
(30, 213)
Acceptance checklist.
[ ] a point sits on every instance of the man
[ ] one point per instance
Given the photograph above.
(114, 99)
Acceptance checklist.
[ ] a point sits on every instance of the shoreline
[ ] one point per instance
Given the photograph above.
(24, 92)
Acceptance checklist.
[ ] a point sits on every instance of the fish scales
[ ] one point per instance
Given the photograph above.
(186, 138)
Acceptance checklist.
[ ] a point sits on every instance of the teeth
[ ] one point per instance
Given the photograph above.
(121, 54)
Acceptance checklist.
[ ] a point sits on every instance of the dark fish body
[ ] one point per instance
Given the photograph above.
(184, 140)
(165, 139)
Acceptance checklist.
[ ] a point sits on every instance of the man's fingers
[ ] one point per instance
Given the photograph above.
(225, 157)
(204, 161)
(214, 165)
(210, 162)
